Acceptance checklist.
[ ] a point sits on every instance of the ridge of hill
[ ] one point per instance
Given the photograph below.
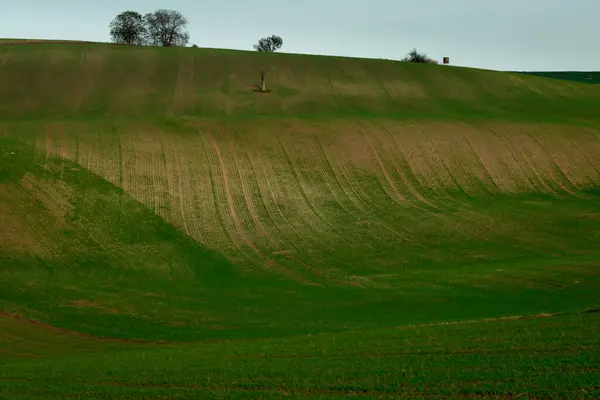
(50, 81)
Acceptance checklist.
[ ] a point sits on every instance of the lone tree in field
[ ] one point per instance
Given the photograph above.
(263, 83)
(128, 28)
(269, 44)
(166, 28)
(416, 57)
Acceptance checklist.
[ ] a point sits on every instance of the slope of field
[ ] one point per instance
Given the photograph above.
(44, 81)
(336, 228)
(164, 229)
(575, 76)
(148, 193)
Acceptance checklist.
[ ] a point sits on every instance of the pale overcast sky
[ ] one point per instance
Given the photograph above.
(533, 35)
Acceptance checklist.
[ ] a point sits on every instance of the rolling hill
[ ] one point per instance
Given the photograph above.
(148, 194)
(576, 76)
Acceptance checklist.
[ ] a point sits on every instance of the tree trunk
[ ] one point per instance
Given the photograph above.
(263, 84)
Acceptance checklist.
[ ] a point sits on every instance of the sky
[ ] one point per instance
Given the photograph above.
(508, 35)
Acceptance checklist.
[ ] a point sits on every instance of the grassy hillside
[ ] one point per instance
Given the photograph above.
(341, 212)
(147, 193)
(44, 81)
(575, 76)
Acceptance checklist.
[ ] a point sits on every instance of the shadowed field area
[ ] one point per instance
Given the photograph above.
(147, 194)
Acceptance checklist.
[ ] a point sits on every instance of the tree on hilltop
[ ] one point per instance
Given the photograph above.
(166, 28)
(128, 28)
(416, 57)
(269, 44)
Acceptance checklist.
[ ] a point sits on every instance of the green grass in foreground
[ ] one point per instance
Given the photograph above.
(543, 357)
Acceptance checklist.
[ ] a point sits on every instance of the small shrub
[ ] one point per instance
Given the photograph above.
(416, 57)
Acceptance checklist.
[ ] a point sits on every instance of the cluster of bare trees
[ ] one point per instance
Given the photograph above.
(165, 28)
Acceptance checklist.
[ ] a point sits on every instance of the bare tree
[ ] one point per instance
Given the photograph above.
(166, 28)
(263, 83)
(269, 44)
(128, 28)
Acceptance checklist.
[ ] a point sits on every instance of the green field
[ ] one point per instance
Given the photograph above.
(368, 228)
(576, 76)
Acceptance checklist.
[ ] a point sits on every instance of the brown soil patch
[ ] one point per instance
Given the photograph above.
(474, 321)
(281, 252)
(19, 318)
(94, 305)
